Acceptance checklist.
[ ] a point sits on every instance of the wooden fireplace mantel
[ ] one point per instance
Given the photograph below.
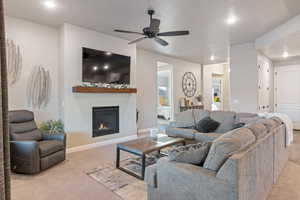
(82, 89)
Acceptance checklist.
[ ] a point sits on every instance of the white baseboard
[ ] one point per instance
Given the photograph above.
(99, 144)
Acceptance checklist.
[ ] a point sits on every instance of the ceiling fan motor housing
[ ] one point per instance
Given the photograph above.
(151, 12)
(150, 34)
(152, 31)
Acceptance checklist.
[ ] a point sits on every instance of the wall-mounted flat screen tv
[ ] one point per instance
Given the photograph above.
(105, 67)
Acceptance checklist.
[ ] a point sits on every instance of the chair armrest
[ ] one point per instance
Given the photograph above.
(25, 156)
(54, 136)
(185, 181)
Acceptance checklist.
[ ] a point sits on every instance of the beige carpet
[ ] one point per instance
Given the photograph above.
(288, 185)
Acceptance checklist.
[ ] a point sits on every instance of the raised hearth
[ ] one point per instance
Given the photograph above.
(105, 121)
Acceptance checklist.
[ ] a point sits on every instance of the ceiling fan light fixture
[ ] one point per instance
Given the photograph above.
(232, 19)
(285, 54)
(50, 4)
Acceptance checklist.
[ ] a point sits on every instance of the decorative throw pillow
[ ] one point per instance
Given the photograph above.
(238, 125)
(207, 125)
(193, 153)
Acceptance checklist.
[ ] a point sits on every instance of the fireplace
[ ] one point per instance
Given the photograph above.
(105, 120)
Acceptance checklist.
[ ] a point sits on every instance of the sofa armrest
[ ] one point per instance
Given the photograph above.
(151, 176)
(190, 182)
(54, 136)
(181, 132)
(25, 156)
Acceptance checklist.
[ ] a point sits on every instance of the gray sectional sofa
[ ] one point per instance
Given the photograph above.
(256, 155)
(183, 126)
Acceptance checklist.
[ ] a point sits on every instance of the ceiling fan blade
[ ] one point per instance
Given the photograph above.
(137, 40)
(154, 25)
(161, 41)
(131, 32)
(174, 33)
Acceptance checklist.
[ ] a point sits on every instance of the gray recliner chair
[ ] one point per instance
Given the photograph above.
(31, 150)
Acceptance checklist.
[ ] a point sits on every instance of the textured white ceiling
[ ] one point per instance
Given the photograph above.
(289, 43)
(206, 20)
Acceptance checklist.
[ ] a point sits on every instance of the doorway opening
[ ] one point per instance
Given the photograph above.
(164, 94)
(217, 92)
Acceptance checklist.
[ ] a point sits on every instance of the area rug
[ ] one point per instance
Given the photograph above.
(122, 184)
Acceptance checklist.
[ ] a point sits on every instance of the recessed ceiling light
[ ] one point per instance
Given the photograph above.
(108, 53)
(212, 58)
(50, 4)
(105, 67)
(95, 68)
(231, 20)
(285, 54)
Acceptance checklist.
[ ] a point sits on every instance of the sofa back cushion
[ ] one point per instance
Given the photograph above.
(22, 126)
(190, 117)
(226, 145)
(226, 120)
(258, 129)
(269, 123)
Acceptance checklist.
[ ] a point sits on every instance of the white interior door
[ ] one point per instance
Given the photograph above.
(263, 86)
(287, 92)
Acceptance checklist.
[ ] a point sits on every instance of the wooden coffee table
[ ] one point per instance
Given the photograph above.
(143, 146)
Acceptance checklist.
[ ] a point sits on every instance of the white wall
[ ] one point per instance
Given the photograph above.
(77, 108)
(39, 45)
(244, 78)
(146, 81)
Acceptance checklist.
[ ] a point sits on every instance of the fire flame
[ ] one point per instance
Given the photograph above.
(102, 126)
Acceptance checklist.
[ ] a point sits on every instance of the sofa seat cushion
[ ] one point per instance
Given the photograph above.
(207, 125)
(192, 154)
(48, 147)
(181, 132)
(206, 137)
(258, 129)
(226, 118)
(226, 145)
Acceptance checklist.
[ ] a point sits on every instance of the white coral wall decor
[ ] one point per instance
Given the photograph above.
(39, 87)
(14, 61)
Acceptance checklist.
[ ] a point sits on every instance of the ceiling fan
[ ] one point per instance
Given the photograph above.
(152, 32)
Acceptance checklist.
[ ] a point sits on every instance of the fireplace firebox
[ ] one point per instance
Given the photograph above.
(105, 121)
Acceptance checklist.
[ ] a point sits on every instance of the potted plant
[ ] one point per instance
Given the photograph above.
(52, 126)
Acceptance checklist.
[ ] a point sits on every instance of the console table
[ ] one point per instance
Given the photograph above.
(185, 108)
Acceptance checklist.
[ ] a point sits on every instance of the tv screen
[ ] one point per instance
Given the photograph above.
(105, 67)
